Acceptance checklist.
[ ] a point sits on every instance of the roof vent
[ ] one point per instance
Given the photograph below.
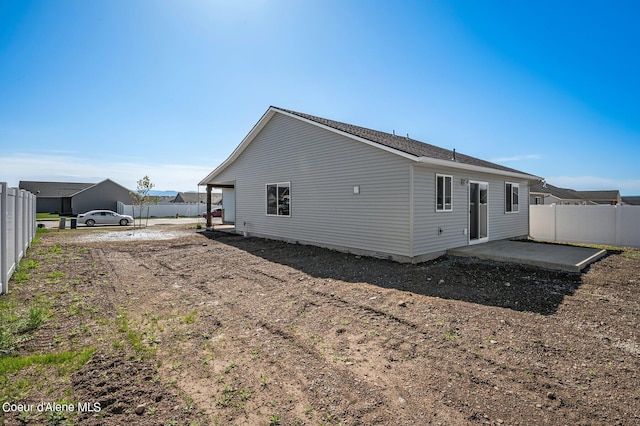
(394, 132)
(454, 155)
(407, 136)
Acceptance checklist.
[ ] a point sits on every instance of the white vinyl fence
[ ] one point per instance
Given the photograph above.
(603, 224)
(17, 229)
(165, 210)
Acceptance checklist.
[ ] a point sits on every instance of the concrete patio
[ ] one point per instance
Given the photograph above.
(551, 256)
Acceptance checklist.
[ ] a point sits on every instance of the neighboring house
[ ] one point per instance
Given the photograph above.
(74, 198)
(631, 200)
(195, 197)
(611, 197)
(162, 199)
(545, 193)
(306, 179)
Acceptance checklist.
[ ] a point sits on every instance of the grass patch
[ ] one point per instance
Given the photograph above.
(15, 325)
(65, 361)
(54, 277)
(54, 250)
(452, 335)
(47, 216)
(190, 318)
(135, 338)
(23, 272)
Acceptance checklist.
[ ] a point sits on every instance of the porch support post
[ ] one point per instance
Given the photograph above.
(208, 226)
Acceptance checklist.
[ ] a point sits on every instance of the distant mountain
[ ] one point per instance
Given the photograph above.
(156, 193)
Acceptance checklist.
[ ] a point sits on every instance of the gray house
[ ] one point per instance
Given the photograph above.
(306, 179)
(545, 193)
(194, 197)
(74, 198)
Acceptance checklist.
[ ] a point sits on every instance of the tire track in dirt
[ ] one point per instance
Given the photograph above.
(340, 307)
(352, 396)
(278, 307)
(445, 371)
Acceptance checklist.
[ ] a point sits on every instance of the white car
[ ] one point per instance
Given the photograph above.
(104, 217)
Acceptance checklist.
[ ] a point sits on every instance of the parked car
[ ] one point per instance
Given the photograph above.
(214, 213)
(104, 217)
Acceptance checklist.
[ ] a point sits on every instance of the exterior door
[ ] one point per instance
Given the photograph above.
(478, 212)
(229, 204)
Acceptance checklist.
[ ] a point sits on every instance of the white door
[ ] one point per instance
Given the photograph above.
(229, 204)
(478, 212)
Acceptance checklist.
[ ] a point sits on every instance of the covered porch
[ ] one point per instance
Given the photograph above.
(228, 204)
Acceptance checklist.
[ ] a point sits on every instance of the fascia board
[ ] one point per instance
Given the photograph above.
(470, 167)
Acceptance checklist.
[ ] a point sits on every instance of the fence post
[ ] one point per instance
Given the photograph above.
(4, 285)
(618, 237)
(17, 221)
(555, 221)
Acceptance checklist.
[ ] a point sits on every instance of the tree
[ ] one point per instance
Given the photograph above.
(141, 197)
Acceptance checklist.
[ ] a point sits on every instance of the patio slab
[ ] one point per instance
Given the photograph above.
(551, 256)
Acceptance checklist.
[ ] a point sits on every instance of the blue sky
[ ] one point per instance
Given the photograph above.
(121, 89)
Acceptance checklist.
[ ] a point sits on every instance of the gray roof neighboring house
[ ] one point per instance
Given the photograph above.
(76, 197)
(547, 188)
(631, 200)
(566, 194)
(53, 189)
(602, 197)
(195, 197)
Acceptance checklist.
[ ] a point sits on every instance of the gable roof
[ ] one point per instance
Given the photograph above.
(601, 197)
(54, 189)
(597, 197)
(562, 193)
(195, 197)
(60, 189)
(399, 145)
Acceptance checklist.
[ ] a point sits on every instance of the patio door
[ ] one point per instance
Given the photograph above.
(478, 212)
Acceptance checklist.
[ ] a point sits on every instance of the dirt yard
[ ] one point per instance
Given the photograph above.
(219, 329)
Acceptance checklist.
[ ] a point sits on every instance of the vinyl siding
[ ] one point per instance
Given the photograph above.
(323, 167)
(104, 195)
(428, 222)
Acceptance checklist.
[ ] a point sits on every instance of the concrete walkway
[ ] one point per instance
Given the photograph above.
(551, 256)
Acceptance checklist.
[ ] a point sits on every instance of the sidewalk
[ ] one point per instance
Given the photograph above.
(53, 224)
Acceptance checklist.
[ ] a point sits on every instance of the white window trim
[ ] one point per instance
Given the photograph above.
(266, 195)
(444, 209)
(513, 185)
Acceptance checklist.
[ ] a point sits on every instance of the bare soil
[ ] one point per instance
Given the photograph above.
(213, 328)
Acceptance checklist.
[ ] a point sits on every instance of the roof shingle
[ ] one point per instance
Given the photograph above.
(53, 189)
(402, 143)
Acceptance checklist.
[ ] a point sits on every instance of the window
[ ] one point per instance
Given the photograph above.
(444, 189)
(278, 199)
(511, 197)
